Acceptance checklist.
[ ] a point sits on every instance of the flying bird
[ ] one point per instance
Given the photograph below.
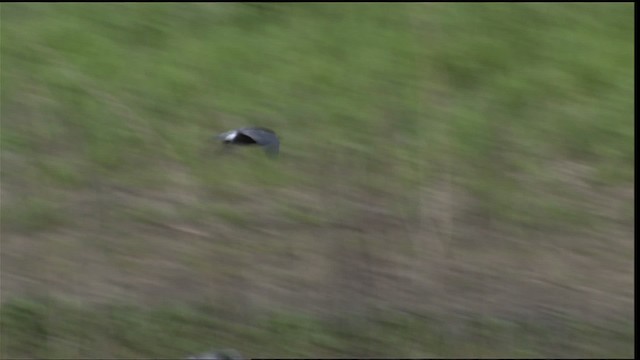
(226, 354)
(260, 136)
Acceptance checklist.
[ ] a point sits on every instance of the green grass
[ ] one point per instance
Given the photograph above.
(375, 104)
(34, 214)
(487, 87)
(42, 327)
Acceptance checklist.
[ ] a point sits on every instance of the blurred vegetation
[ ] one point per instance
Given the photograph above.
(408, 91)
(61, 330)
(379, 101)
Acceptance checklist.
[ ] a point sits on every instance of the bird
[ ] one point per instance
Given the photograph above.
(253, 135)
(226, 354)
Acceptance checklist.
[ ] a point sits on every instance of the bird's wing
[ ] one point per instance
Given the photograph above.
(262, 136)
(272, 148)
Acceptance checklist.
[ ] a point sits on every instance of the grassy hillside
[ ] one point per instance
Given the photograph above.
(440, 159)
